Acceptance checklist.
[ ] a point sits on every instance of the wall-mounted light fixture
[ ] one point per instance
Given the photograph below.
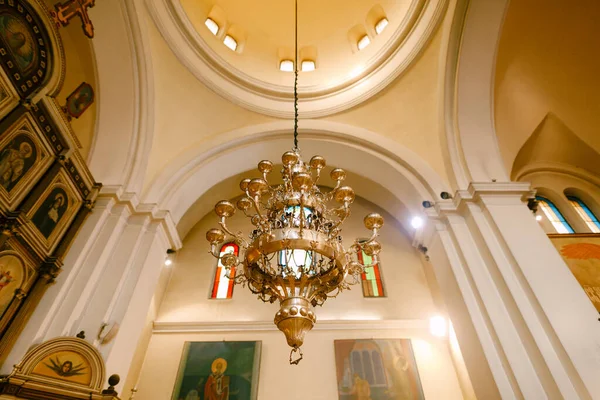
(438, 326)
(170, 257)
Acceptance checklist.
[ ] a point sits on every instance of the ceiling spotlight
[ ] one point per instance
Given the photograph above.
(308, 65)
(363, 42)
(380, 26)
(438, 326)
(416, 222)
(212, 26)
(230, 42)
(538, 217)
(286, 66)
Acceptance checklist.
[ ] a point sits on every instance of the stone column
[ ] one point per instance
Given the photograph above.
(522, 320)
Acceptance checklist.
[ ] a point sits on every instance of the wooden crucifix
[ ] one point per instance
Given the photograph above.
(64, 12)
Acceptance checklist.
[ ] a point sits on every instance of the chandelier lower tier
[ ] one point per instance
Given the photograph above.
(294, 254)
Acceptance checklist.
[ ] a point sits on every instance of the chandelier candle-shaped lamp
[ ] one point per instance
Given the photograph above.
(294, 254)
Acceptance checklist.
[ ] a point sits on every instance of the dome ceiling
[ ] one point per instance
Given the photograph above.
(328, 33)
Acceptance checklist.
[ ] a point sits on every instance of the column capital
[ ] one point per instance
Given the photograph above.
(118, 196)
(478, 191)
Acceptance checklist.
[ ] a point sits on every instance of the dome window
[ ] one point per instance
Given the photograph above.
(212, 26)
(230, 42)
(308, 65)
(286, 66)
(381, 24)
(363, 42)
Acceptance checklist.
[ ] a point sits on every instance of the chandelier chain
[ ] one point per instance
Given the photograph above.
(294, 251)
(296, 79)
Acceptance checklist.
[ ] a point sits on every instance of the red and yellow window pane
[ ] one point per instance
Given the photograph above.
(372, 284)
(223, 286)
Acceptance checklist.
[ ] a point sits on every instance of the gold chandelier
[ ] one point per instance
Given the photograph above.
(294, 254)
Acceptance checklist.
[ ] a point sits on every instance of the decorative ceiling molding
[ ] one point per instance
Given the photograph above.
(273, 100)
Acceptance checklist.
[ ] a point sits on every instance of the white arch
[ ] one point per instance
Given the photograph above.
(125, 94)
(469, 107)
(378, 159)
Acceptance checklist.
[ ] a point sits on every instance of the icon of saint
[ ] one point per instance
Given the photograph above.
(13, 164)
(217, 384)
(47, 216)
(65, 369)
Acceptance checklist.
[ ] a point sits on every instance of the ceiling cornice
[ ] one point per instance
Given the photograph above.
(275, 100)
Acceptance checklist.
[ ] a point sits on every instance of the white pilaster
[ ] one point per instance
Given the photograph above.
(533, 323)
(109, 276)
(132, 307)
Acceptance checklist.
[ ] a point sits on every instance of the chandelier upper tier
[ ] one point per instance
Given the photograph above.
(294, 253)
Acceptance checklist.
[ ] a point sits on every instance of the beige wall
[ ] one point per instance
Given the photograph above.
(548, 62)
(313, 379)
(404, 313)
(409, 296)
(80, 67)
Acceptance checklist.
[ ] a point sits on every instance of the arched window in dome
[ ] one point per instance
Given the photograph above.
(372, 284)
(223, 286)
(585, 213)
(554, 216)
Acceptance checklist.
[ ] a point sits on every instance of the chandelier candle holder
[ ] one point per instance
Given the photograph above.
(294, 254)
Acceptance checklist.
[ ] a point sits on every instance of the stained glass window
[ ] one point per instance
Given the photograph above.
(223, 286)
(554, 216)
(585, 213)
(372, 285)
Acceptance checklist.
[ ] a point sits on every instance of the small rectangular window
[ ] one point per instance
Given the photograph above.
(230, 42)
(212, 26)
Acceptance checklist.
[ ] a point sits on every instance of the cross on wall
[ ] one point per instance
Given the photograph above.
(64, 12)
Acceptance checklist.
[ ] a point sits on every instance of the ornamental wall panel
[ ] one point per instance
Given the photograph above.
(46, 189)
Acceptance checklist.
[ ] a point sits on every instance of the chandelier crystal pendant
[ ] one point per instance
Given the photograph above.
(294, 254)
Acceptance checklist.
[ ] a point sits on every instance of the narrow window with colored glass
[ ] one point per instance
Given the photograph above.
(585, 213)
(555, 217)
(223, 286)
(372, 284)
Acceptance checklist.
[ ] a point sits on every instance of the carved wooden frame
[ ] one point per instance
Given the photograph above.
(30, 264)
(25, 124)
(59, 178)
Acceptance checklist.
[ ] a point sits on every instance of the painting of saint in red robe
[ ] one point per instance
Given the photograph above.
(218, 371)
(217, 385)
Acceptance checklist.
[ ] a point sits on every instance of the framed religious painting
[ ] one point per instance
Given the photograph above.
(581, 253)
(377, 369)
(66, 368)
(25, 155)
(17, 275)
(218, 371)
(51, 208)
(25, 46)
